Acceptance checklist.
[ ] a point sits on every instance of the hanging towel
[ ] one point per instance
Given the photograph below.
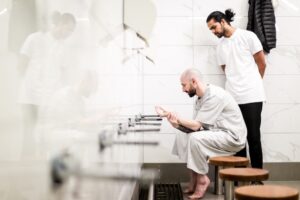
(261, 20)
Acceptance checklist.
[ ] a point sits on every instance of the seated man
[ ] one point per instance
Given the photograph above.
(216, 129)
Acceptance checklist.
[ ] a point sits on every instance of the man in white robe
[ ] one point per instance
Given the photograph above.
(217, 129)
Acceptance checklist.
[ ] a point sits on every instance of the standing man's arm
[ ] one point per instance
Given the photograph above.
(259, 58)
(223, 67)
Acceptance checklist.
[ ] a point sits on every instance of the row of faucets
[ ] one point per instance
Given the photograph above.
(65, 165)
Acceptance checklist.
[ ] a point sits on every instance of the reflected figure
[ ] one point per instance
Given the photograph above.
(41, 66)
(63, 117)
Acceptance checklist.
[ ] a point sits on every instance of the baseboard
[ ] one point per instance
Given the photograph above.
(177, 172)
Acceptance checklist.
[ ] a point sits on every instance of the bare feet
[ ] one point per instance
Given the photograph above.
(192, 184)
(200, 188)
(191, 188)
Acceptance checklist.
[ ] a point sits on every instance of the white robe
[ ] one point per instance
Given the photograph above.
(224, 130)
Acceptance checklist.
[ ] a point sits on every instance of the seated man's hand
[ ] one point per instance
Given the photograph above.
(161, 112)
(173, 119)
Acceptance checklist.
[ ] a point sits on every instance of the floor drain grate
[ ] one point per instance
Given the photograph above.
(168, 191)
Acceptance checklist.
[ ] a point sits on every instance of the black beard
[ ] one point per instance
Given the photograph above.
(219, 35)
(192, 92)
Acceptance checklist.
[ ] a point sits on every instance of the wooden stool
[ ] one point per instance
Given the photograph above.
(244, 175)
(221, 162)
(266, 192)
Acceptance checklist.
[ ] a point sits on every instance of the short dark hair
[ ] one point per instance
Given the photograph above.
(218, 16)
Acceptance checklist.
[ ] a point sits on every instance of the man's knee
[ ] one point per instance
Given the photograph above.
(197, 140)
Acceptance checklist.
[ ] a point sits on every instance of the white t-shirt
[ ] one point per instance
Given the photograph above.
(243, 80)
(43, 73)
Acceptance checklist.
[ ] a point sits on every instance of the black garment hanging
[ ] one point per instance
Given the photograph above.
(261, 20)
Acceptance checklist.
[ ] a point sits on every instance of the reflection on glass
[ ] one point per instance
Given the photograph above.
(73, 83)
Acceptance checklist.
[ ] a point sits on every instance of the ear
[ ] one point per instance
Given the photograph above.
(193, 81)
(223, 22)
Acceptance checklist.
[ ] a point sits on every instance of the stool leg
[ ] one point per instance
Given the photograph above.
(218, 181)
(229, 190)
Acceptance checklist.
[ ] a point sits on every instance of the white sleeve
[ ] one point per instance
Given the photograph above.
(254, 43)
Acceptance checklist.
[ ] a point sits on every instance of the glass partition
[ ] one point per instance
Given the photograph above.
(71, 77)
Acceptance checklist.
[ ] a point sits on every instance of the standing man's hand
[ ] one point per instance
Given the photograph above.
(173, 119)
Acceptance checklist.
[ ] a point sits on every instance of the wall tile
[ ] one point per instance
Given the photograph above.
(202, 35)
(164, 90)
(206, 61)
(174, 7)
(280, 118)
(173, 31)
(282, 89)
(281, 147)
(287, 32)
(170, 60)
(287, 8)
(240, 7)
(284, 60)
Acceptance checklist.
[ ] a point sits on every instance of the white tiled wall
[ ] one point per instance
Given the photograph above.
(184, 40)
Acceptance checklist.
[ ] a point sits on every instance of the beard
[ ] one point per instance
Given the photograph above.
(219, 35)
(222, 33)
(192, 92)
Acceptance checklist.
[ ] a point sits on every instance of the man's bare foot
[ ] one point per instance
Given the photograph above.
(200, 189)
(192, 184)
(191, 187)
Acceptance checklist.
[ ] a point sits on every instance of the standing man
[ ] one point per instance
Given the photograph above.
(217, 129)
(241, 57)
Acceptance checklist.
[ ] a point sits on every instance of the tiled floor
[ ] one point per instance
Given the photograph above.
(211, 196)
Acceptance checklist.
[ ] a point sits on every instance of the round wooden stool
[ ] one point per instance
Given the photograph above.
(242, 175)
(222, 162)
(266, 192)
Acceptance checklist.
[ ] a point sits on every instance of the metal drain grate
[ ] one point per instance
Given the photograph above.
(168, 191)
(143, 194)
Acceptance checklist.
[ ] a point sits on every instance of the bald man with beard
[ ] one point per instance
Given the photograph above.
(217, 129)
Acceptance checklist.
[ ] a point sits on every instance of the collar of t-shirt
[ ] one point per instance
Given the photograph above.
(236, 32)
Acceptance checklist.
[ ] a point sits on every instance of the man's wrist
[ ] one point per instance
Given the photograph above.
(178, 122)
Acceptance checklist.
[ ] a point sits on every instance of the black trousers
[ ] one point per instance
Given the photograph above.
(252, 117)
